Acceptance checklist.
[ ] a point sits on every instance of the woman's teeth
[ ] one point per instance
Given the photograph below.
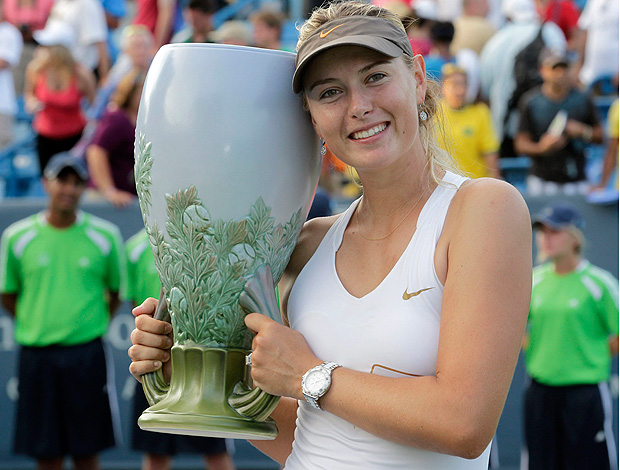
(369, 132)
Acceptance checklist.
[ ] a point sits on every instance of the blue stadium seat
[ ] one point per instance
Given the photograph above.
(19, 168)
(515, 171)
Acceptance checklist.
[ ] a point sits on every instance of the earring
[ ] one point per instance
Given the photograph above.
(423, 114)
(323, 148)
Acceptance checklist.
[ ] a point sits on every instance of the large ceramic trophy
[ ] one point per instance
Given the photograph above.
(226, 163)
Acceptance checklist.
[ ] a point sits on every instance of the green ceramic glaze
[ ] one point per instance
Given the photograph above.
(225, 175)
(197, 402)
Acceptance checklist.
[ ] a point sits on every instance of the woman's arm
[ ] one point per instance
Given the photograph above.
(285, 416)
(87, 83)
(487, 248)
(165, 19)
(548, 142)
(31, 102)
(101, 174)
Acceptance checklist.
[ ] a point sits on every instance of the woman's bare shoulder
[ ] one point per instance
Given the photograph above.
(309, 240)
(496, 195)
(485, 204)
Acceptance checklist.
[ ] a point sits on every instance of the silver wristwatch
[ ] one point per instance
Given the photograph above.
(316, 382)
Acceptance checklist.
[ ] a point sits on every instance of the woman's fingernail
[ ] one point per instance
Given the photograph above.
(157, 364)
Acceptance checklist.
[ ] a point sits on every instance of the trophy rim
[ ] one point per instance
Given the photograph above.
(231, 47)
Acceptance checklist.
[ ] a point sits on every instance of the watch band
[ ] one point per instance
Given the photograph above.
(328, 367)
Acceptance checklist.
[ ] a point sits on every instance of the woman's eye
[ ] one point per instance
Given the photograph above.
(328, 93)
(375, 77)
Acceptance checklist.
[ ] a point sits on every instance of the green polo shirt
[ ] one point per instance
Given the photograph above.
(61, 277)
(143, 277)
(571, 318)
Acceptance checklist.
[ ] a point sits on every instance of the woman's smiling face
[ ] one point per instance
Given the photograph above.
(364, 104)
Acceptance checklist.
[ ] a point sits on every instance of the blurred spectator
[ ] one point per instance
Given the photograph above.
(610, 160)
(472, 30)
(267, 26)
(449, 10)
(442, 33)
(55, 86)
(110, 153)
(138, 50)
(571, 337)
(399, 7)
(158, 17)
(27, 16)
(469, 134)
(419, 31)
(556, 122)
(11, 43)
(597, 42)
(60, 274)
(199, 17)
(233, 32)
(321, 204)
(497, 64)
(115, 12)
(159, 448)
(87, 20)
(564, 13)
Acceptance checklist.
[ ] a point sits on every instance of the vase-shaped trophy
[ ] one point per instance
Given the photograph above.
(226, 164)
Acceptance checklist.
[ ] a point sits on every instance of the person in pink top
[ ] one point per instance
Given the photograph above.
(158, 16)
(54, 88)
(27, 15)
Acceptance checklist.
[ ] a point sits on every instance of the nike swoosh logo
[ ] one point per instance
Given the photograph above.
(407, 296)
(324, 34)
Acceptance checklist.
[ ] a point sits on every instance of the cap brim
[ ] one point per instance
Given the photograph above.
(378, 44)
(81, 172)
(544, 221)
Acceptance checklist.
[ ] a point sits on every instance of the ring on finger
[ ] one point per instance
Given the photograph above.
(248, 360)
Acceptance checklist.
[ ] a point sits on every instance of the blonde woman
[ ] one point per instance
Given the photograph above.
(54, 89)
(403, 315)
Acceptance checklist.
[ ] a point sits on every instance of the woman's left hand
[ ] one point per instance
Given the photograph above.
(280, 357)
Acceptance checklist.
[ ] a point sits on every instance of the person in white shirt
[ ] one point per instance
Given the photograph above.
(598, 41)
(11, 45)
(88, 21)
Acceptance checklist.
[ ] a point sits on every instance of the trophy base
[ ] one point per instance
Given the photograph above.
(207, 426)
(197, 403)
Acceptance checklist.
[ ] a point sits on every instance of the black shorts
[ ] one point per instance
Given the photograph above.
(569, 428)
(63, 406)
(48, 147)
(158, 443)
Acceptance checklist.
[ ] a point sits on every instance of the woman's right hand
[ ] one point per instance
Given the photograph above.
(151, 342)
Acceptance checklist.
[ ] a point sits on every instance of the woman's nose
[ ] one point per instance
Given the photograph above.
(360, 104)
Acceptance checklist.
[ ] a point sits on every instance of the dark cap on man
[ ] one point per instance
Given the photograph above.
(63, 161)
(559, 216)
(553, 58)
(375, 33)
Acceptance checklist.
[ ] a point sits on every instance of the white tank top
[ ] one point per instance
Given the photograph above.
(380, 333)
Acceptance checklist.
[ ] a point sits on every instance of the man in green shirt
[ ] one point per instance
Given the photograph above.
(60, 275)
(571, 338)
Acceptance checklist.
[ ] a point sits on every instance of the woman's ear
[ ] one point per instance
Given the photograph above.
(419, 72)
(316, 128)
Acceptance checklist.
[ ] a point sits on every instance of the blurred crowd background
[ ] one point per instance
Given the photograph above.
(485, 54)
(529, 92)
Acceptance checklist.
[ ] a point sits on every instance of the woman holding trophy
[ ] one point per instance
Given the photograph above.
(403, 315)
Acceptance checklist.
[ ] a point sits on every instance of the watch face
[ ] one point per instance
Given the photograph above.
(317, 382)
